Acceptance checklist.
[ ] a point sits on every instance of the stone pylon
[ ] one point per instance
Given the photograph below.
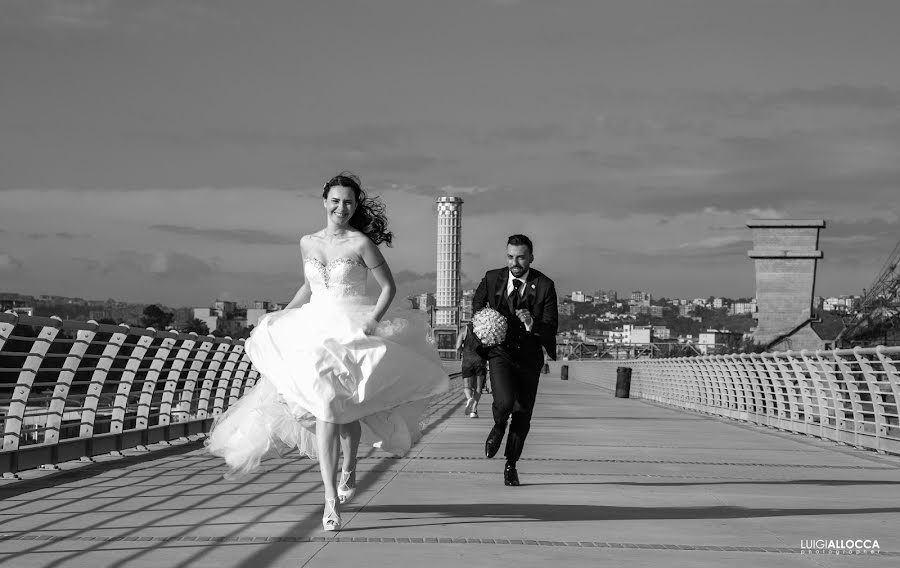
(785, 252)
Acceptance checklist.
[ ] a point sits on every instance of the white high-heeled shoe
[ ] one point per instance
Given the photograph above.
(331, 520)
(344, 491)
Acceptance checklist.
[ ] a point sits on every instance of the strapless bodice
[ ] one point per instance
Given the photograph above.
(341, 278)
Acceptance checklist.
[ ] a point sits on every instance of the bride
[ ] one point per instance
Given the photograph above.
(333, 369)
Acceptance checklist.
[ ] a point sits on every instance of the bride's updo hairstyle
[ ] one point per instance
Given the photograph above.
(369, 217)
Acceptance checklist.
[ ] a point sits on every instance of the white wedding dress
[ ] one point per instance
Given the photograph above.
(316, 362)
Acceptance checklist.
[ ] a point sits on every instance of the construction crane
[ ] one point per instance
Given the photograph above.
(878, 316)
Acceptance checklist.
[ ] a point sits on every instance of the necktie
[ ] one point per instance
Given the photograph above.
(515, 294)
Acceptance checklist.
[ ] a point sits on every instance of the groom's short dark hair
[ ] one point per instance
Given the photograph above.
(519, 240)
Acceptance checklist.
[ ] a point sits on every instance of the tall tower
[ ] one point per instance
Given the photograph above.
(449, 256)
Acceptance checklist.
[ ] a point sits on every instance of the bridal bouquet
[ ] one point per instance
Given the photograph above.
(489, 327)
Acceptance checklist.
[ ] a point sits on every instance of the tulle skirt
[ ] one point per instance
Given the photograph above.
(316, 363)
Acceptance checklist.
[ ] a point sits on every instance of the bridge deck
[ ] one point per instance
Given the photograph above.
(606, 481)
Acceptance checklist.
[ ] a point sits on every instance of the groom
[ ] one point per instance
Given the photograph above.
(527, 299)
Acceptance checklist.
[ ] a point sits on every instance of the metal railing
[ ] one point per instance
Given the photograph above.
(71, 389)
(848, 396)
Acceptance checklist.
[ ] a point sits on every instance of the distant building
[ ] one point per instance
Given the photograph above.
(739, 308)
(128, 314)
(647, 310)
(718, 303)
(606, 296)
(578, 297)
(425, 301)
(465, 305)
(225, 308)
(640, 298)
(715, 340)
(660, 332)
(254, 315)
(449, 257)
(207, 316)
(637, 334)
(256, 310)
(566, 309)
(841, 304)
(616, 335)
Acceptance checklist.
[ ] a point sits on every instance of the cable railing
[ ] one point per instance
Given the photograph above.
(73, 390)
(844, 395)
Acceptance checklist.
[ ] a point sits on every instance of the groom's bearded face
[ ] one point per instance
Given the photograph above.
(518, 259)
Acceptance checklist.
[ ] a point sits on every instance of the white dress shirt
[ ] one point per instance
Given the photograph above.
(511, 285)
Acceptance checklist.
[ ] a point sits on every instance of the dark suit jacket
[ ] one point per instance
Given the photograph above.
(539, 299)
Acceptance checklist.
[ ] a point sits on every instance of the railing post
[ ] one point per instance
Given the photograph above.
(120, 407)
(809, 404)
(168, 396)
(816, 397)
(145, 404)
(98, 379)
(891, 375)
(187, 395)
(853, 397)
(18, 403)
(83, 339)
(240, 377)
(225, 378)
(7, 325)
(206, 387)
(874, 392)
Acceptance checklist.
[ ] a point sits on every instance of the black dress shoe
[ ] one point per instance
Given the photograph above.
(510, 475)
(492, 444)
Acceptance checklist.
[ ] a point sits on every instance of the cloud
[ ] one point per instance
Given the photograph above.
(243, 236)
(158, 264)
(440, 191)
(715, 243)
(9, 263)
(88, 15)
(60, 235)
(401, 162)
(849, 240)
(524, 133)
(874, 97)
(403, 277)
(76, 13)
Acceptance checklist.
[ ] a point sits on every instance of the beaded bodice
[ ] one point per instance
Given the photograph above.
(342, 277)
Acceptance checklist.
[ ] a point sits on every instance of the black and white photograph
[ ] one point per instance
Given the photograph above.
(488, 283)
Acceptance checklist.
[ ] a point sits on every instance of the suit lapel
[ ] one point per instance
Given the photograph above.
(530, 288)
(500, 284)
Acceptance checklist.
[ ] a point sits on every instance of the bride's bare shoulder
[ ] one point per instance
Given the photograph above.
(317, 236)
(309, 242)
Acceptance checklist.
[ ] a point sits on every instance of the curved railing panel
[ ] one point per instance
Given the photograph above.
(849, 396)
(72, 390)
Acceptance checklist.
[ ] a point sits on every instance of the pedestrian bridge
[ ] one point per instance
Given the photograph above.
(782, 459)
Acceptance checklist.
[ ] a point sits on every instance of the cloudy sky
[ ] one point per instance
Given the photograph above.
(174, 150)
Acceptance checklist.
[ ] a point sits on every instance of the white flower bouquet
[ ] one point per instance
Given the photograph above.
(489, 327)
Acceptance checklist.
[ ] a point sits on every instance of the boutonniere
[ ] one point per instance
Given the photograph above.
(532, 286)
